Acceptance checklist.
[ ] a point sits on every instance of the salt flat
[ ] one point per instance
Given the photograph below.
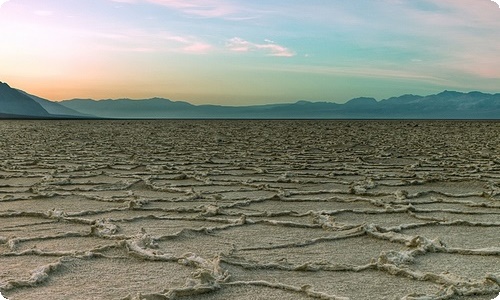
(249, 209)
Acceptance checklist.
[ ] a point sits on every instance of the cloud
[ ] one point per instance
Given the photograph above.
(237, 44)
(223, 9)
(497, 2)
(189, 44)
(2, 2)
(402, 74)
(205, 8)
(135, 40)
(197, 48)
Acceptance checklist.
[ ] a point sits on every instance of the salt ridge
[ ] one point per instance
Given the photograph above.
(405, 209)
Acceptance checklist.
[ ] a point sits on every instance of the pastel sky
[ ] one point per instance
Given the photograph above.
(249, 51)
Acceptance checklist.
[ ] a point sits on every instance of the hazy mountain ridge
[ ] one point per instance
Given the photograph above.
(445, 105)
(54, 108)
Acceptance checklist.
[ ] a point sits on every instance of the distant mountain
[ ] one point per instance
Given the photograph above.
(55, 108)
(126, 108)
(15, 104)
(159, 108)
(445, 105)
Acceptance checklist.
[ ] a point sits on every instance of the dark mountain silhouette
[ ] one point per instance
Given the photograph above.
(15, 104)
(445, 105)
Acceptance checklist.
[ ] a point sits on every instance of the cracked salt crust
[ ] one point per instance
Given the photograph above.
(336, 210)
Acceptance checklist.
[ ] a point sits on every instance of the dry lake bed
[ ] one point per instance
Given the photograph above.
(249, 210)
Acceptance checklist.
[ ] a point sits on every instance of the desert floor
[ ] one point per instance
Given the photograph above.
(249, 210)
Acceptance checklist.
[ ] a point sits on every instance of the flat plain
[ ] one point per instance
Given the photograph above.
(227, 209)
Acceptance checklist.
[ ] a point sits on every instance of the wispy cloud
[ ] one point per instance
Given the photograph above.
(403, 74)
(197, 48)
(2, 2)
(202, 8)
(143, 41)
(237, 44)
(193, 46)
(187, 44)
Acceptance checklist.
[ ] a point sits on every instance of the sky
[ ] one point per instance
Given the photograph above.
(241, 52)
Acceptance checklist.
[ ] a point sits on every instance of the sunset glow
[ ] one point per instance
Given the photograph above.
(248, 52)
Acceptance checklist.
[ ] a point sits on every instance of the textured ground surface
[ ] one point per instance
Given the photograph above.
(249, 210)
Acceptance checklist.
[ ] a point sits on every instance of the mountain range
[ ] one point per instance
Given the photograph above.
(445, 105)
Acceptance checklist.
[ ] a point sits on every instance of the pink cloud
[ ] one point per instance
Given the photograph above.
(197, 48)
(237, 44)
(187, 44)
(276, 50)
(134, 40)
